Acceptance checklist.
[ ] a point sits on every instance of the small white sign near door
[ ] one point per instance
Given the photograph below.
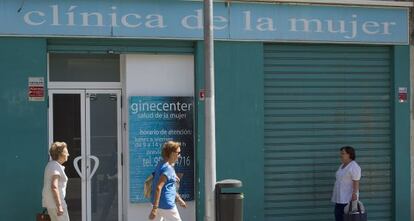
(36, 89)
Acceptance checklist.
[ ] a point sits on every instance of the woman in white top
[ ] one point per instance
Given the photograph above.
(54, 185)
(347, 182)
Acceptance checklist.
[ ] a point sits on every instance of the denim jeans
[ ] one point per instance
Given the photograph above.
(339, 211)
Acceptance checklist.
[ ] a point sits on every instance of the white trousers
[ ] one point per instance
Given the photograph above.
(54, 217)
(168, 215)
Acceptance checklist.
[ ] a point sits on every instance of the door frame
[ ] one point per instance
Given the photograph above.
(85, 144)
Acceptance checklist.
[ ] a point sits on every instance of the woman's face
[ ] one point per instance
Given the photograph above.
(64, 156)
(175, 155)
(345, 157)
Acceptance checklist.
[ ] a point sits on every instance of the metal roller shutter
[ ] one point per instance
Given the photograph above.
(317, 99)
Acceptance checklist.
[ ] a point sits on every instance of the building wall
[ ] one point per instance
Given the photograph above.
(237, 59)
(23, 128)
(402, 180)
(239, 120)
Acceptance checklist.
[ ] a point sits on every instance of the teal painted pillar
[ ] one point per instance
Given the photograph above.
(199, 130)
(239, 121)
(23, 128)
(402, 174)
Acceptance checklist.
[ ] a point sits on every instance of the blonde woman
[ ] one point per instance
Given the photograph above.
(164, 194)
(54, 185)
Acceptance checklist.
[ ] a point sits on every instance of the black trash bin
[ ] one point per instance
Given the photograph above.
(229, 206)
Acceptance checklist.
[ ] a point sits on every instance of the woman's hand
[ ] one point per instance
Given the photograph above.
(354, 197)
(182, 203)
(153, 214)
(59, 211)
(157, 195)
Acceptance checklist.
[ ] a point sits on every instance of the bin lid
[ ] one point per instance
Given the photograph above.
(229, 183)
(233, 196)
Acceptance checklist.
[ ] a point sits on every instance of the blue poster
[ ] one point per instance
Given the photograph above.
(152, 122)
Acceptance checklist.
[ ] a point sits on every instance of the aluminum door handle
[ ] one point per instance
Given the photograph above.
(76, 165)
(96, 166)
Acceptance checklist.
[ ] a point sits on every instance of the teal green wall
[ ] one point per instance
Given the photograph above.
(23, 129)
(239, 126)
(199, 131)
(402, 185)
(239, 120)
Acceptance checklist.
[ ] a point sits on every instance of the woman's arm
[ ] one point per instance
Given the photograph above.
(180, 201)
(157, 195)
(355, 189)
(55, 192)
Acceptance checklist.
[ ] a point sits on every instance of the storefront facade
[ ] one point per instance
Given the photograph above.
(294, 83)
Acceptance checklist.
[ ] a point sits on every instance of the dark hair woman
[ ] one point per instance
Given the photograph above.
(347, 181)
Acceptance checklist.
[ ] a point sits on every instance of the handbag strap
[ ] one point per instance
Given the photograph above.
(358, 205)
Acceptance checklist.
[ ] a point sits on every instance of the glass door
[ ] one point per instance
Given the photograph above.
(67, 123)
(89, 122)
(104, 158)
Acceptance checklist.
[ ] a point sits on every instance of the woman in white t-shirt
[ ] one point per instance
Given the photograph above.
(347, 182)
(54, 185)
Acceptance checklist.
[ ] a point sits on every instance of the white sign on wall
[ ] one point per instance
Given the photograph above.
(36, 88)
